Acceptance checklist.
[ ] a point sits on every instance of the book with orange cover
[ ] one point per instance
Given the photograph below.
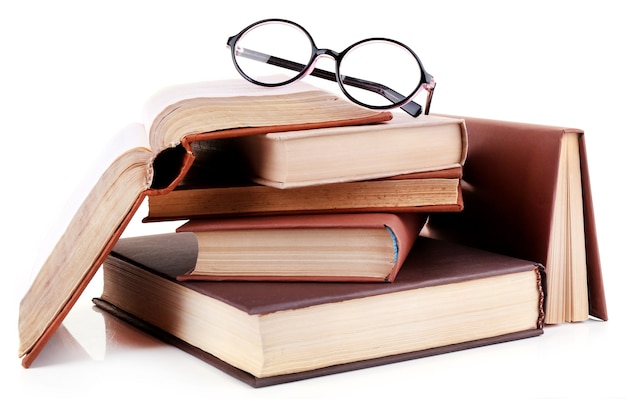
(433, 191)
(446, 297)
(151, 158)
(527, 193)
(314, 247)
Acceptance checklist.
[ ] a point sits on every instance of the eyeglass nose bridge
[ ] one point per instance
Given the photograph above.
(321, 73)
(321, 52)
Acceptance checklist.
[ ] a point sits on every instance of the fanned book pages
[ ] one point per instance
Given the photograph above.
(527, 193)
(316, 247)
(446, 297)
(163, 149)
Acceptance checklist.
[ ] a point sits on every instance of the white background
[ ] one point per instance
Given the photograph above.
(72, 73)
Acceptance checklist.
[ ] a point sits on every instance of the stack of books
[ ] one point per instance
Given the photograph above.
(316, 236)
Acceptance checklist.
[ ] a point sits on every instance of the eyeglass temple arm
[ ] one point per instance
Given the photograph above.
(412, 108)
(429, 86)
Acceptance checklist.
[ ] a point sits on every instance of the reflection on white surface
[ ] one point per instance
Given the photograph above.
(62, 348)
(91, 334)
(99, 353)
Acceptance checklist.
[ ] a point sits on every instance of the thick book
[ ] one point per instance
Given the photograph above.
(322, 156)
(527, 194)
(315, 247)
(151, 158)
(434, 191)
(446, 297)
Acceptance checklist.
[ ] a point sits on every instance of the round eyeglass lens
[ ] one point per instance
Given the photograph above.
(273, 53)
(380, 73)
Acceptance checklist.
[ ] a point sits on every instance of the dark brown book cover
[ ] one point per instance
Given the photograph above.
(509, 185)
(430, 263)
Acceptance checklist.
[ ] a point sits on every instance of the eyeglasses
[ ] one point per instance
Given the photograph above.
(365, 71)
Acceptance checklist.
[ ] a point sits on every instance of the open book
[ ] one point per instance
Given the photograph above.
(156, 157)
(527, 193)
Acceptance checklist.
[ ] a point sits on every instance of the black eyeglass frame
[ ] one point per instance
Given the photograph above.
(406, 103)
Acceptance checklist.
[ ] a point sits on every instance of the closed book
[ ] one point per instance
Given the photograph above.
(434, 191)
(349, 153)
(446, 297)
(317, 247)
(527, 193)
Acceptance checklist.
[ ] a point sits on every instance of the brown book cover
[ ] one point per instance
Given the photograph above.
(433, 191)
(368, 246)
(509, 189)
(431, 264)
(176, 118)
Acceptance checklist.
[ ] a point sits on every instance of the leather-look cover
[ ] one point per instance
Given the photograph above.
(431, 263)
(509, 186)
(405, 227)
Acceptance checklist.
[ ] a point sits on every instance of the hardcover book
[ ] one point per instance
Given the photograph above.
(316, 247)
(305, 158)
(446, 297)
(527, 193)
(426, 192)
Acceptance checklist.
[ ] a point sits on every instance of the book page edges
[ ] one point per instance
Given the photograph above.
(213, 114)
(399, 121)
(595, 285)
(172, 94)
(361, 177)
(451, 173)
(405, 227)
(456, 207)
(280, 379)
(275, 143)
(367, 220)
